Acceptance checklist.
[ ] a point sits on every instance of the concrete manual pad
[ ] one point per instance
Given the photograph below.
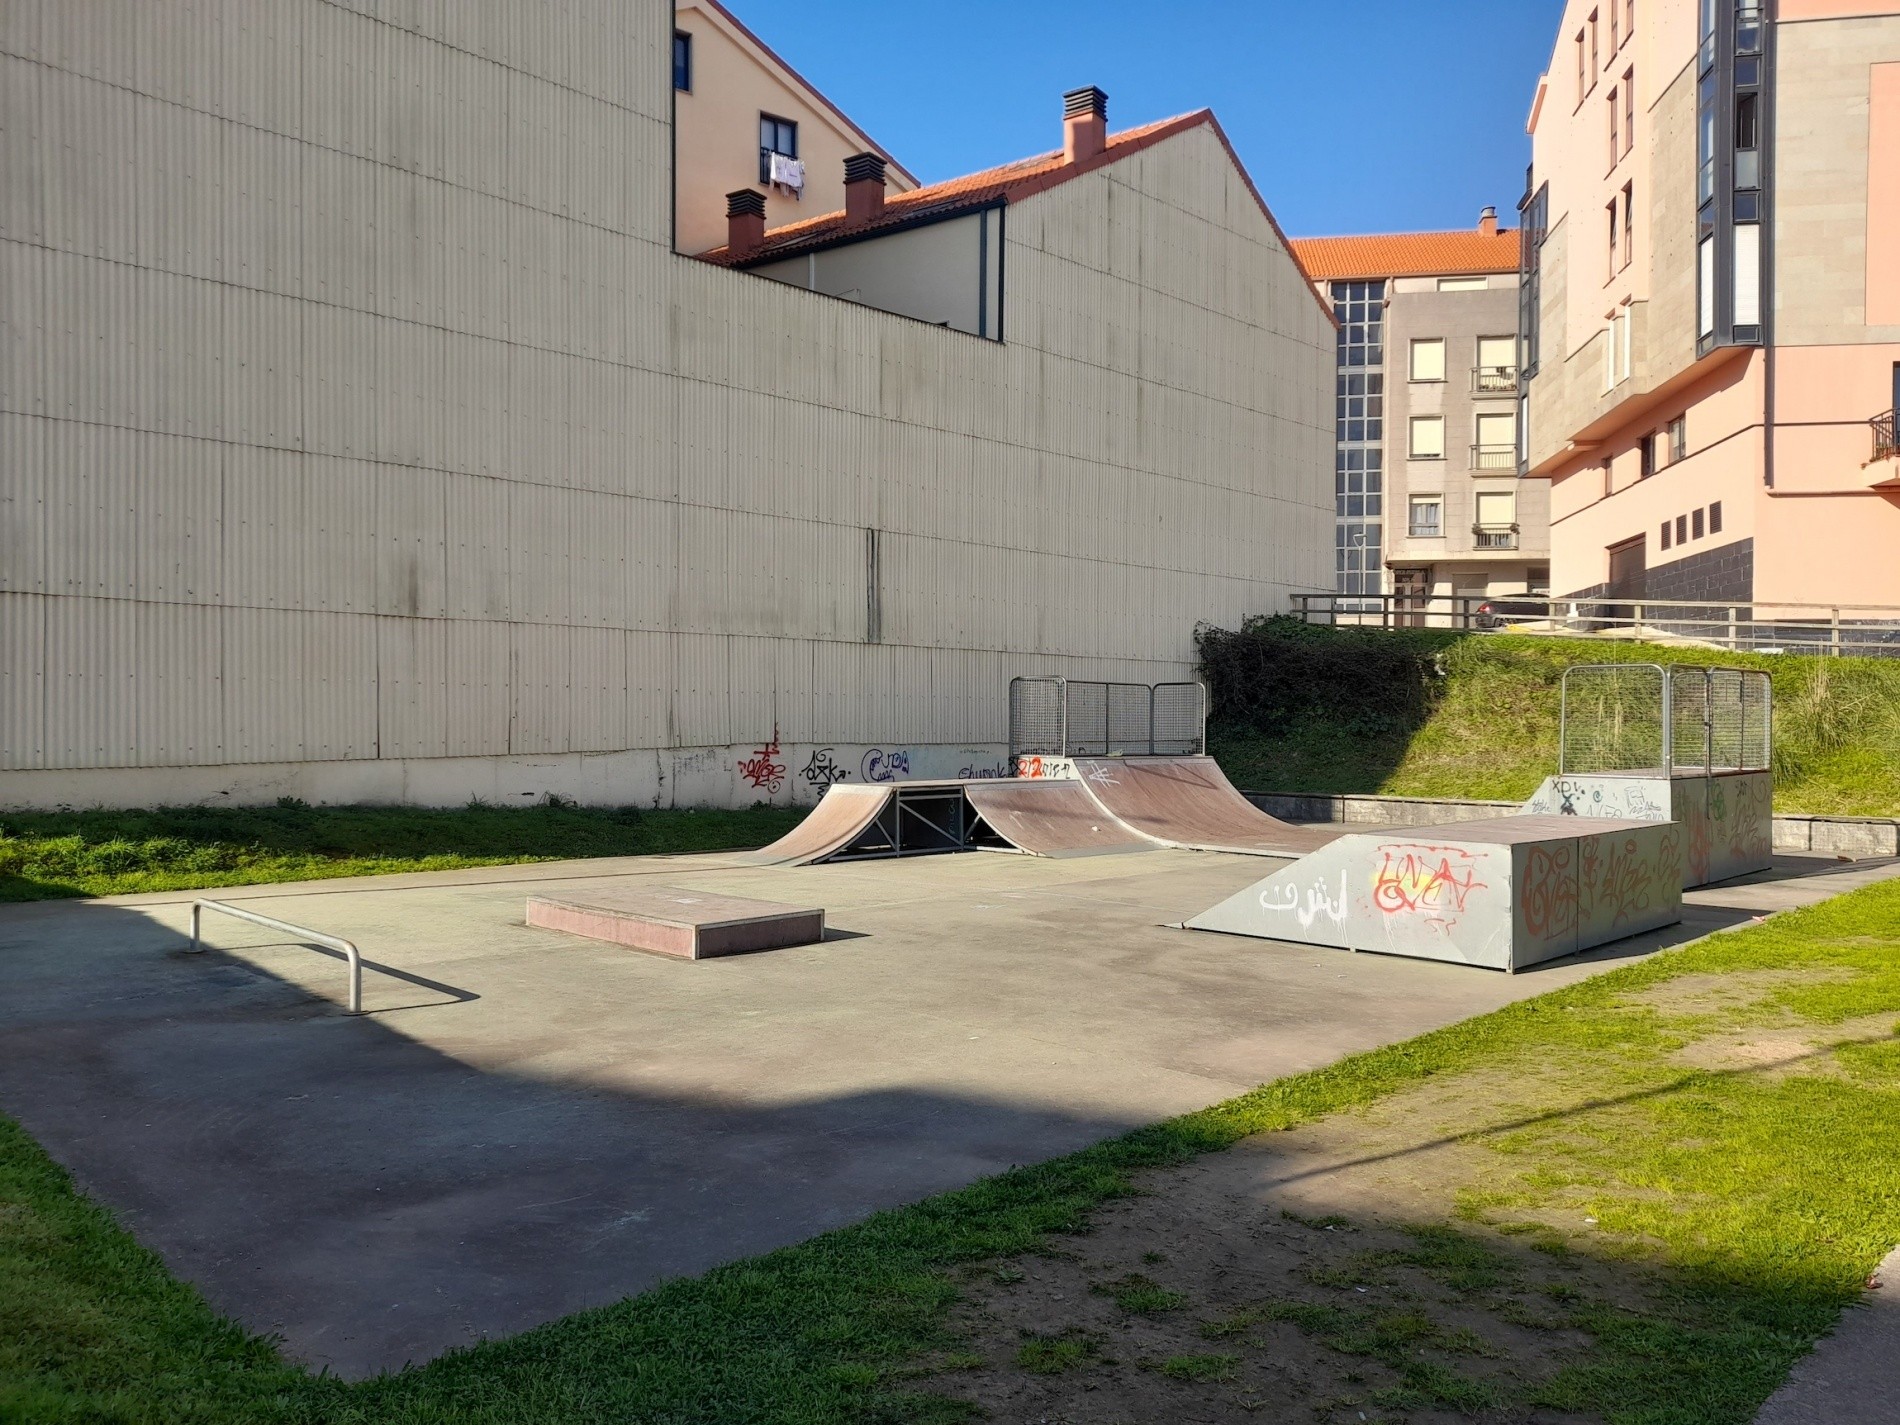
(525, 1123)
(688, 925)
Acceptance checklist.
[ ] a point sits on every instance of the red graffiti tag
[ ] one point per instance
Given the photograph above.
(762, 769)
(1424, 880)
(1550, 893)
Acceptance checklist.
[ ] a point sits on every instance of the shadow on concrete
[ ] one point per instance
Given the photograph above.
(375, 1202)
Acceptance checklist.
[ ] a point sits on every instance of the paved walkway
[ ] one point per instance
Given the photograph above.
(1853, 1377)
(526, 1124)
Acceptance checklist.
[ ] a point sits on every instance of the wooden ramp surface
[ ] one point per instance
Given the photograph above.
(1188, 802)
(1050, 818)
(841, 815)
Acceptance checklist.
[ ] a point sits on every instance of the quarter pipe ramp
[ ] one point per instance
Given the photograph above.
(1188, 802)
(1050, 818)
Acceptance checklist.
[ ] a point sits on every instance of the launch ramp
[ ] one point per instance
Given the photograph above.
(1503, 893)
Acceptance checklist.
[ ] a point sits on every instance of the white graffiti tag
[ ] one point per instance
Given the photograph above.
(1318, 900)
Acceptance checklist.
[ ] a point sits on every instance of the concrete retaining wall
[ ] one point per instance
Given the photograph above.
(1854, 837)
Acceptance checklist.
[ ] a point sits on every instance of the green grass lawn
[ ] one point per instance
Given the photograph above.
(96, 853)
(1753, 1203)
(1423, 713)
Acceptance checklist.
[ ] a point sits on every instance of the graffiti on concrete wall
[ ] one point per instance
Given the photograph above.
(1317, 901)
(885, 765)
(1434, 883)
(1044, 767)
(822, 770)
(1614, 876)
(762, 770)
(983, 772)
(1751, 827)
(1549, 891)
(1620, 797)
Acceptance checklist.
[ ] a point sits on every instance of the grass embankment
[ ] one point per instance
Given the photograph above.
(1747, 1201)
(1422, 713)
(95, 853)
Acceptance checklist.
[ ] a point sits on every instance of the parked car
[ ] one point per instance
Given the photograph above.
(1502, 613)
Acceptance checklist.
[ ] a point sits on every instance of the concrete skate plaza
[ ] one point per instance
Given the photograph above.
(526, 1123)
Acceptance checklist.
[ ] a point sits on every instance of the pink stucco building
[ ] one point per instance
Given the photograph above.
(1711, 300)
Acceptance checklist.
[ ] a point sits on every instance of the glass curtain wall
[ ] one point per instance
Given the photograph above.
(1359, 464)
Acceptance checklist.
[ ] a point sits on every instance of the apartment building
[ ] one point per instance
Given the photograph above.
(1711, 330)
(744, 118)
(365, 436)
(1428, 503)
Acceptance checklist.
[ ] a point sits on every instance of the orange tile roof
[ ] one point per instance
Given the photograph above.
(974, 190)
(1010, 182)
(1408, 254)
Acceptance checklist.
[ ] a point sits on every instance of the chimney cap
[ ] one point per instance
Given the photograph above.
(745, 203)
(1083, 102)
(1488, 219)
(864, 168)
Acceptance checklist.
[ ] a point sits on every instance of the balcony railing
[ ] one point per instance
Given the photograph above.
(1884, 447)
(1496, 536)
(1864, 630)
(1494, 457)
(1494, 380)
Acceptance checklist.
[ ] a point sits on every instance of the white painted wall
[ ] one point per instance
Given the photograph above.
(354, 409)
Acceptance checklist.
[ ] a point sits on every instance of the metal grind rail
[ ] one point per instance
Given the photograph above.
(302, 932)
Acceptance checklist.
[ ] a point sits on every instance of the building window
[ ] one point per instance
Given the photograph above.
(1462, 284)
(1496, 448)
(1715, 517)
(1695, 525)
(1596, 66)
(1678, 439)
(682, 61)
(1497, 519)
(1496, 372)
(1613, 102)
(1629, 221)
(1615, 239)
(1682, 529)
(1665, 534)
(1359, 408)
(1616, 351)
(1646, 448)
(1629, 18)
(1583, 86)
(1616, 27)
(1428, 359)
(1629, 110)
(1428, 438)
(1427, 517)
(776, 136)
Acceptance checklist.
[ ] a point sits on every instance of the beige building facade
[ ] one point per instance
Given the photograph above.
(735, 102)
(1429, 507)
(364, 436)
(1712, 326)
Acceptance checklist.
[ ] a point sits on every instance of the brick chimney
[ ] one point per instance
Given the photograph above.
(863, 188)
(1488, 222)
(1084, 124)
(745, 222)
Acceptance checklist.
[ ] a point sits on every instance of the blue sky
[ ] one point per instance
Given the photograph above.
(1352, 115)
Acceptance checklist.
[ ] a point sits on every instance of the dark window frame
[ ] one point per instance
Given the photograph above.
(683, 61)
(1715, 517)
(1679, 439)
(781, 126)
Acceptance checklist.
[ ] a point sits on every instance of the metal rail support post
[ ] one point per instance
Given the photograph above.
(335, 942)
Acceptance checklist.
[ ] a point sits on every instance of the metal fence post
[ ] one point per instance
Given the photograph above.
(1835, 638)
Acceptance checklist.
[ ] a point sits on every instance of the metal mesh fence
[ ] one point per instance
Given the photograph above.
(1643, 718)
(1613, 719)
(1180, 719)
(1055, 717)
(1035, 717)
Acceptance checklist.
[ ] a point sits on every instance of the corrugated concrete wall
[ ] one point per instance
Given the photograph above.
(361, 434)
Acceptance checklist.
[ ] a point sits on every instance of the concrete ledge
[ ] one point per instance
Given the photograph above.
(689, 925)
(1856, 838)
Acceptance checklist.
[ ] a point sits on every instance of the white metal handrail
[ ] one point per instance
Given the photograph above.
(335, 942)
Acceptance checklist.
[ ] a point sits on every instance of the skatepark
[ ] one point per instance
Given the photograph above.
(524, 1121)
